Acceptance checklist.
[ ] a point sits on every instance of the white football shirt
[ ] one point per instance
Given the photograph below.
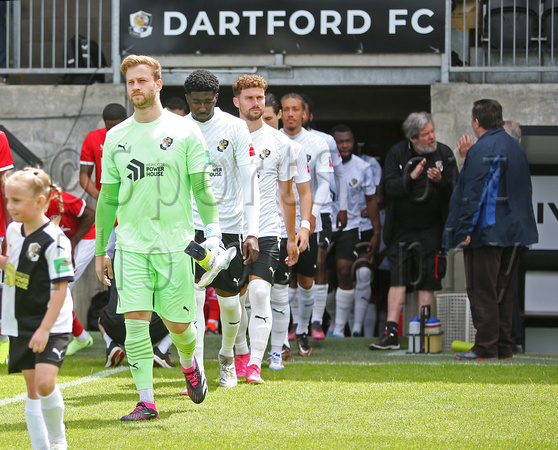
(230, 146)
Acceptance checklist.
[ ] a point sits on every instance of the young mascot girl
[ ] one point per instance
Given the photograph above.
(37, 304)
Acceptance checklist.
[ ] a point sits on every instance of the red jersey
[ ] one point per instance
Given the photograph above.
(6, 163)
(92, 152)
(73, 210)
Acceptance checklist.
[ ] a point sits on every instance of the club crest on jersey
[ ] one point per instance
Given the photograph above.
(166, 143)
(33, 251)
(308, 158)
(223, 144)
(353, 182)
(439, 165)
(265, 153)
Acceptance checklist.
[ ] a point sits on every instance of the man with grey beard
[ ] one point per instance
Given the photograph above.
(417, 182)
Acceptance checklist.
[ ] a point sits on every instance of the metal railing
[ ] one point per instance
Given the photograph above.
(66, 37)
(516, 39)
(486, 40)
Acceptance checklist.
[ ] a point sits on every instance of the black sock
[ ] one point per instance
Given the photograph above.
(392, 327)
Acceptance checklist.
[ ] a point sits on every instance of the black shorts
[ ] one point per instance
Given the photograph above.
(415, 260)
(231, 280)
(283, 272)
(23, 358)
(307, 260)
(345, 245)
(324, 238)
(265, 266)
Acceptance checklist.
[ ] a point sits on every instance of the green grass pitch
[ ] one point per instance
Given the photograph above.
(345, 397)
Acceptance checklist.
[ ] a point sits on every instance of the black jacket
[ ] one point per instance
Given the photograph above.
(397, 184)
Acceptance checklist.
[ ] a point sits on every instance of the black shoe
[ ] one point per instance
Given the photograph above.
(196, 383)
(357, 334)
(160, 359)
(304, 348)
(142, 412)
(472, 356)
(286, 353)
(389, 341)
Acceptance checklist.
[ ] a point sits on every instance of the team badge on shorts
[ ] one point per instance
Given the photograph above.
(439, 165)
(166, 143)
(265, 153)
(33, 251)
(223, 144)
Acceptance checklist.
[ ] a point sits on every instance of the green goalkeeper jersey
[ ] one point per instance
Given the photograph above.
(153, 162)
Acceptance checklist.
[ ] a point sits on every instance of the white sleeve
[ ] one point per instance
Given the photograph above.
(322, 193)
(341, 186)
(251, 192)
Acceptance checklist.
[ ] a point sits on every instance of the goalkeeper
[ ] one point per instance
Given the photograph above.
(152, 163)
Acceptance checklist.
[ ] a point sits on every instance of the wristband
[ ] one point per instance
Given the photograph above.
(212, 229)
(305, 224)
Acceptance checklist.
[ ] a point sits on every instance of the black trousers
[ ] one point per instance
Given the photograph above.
(491, 276)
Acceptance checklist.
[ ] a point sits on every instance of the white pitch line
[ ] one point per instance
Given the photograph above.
(79, 381)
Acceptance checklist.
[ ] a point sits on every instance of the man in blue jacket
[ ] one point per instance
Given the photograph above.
(491, 217)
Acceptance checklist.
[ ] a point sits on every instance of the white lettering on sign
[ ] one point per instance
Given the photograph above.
(182, 23)
(252, 16)
(225, 24)
(394, 21)
(300, 22)
(326, 24)
(415, 19)
(202, 23)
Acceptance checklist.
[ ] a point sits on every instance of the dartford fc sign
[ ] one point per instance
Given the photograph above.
(286, 26)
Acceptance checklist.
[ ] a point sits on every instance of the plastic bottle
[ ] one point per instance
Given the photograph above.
(414, 341)
(433, 344)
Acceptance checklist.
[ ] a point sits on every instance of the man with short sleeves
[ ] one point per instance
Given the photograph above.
(280, 307)
(338, 193)
(320, 167)
(235, 185)
(92, 149)
(152, 164)
(360, 185)
(275, 168)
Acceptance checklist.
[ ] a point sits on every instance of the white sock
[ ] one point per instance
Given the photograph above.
(260, 319)
(280, 312)
(293, 301)
(344, 302)
(320, 299)
(240, 343)
(370, 321)
(52, 406)
(305, 305)
(200, 324)
(146, 395)
(230, 321)
(36, 424)
(165, 344)
(107, 339)
(83, 336)
(362, 296)
(330, 305)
